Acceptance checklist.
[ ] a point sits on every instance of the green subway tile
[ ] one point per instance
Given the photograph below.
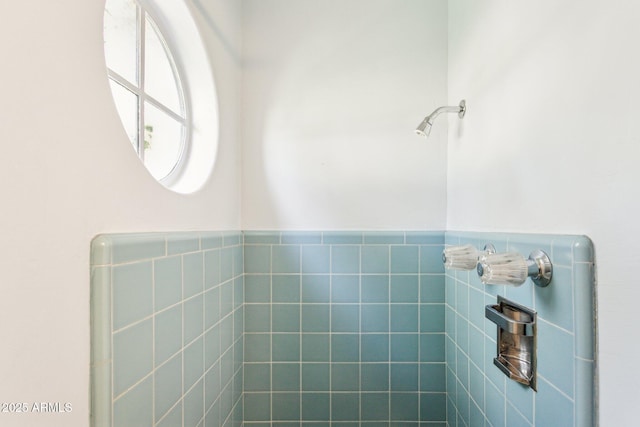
(424, 237)
(554, 303)
(257, 347)
(404, 377)
(135, 408)
(315, 288)
(168, 333)
(404, 407)
(171, 419)
(167, 276)
(432, 288)
(301, 237)
(552, 407)
(238, 260)
(257, 377)
(285, 288)
(316, 259)
(226, 333)
(285, 406)
(404, 317)
(375, 347)
(315, 406)
(375, 407)
(226, 264)
(238, 291)
(132, 293)
(404, 259)
(383, 237)
(584, 282)
(257, 318)
(193, 363)
(375, 259)
(345, 377)
(432, 347)
(345, 259)
(101, 250)
(433, 377)
(212, 345)
(315, 347)
(346, 407)
(194, 405)
(345, 348)
(375, 288)
(345, 288)
(100, 314)
(192, 274)
(345, 318)
(211, 307)
(404, 288)
(556, 366)
(231, 238)
(433, 407)
(180, 243)
(342, 238)
(375, 317)
(262, 237)
(211, 240)
(432, 318)
(226, 298)
(134, 247)
(431, 259)
(404, 347)
(168, 385)
(583, 250)
(315, 317)
(257, 288)
(286, 347)
(193, 318)
(212, 385)
(257, 406)
(285, 259)
(315, 377)
(132, 355)
(286, 377)
(375, 376)
(257, 259)
(211, 268)
(285, 318)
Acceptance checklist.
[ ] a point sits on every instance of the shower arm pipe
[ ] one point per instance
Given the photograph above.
(424, 128)
(460, 109)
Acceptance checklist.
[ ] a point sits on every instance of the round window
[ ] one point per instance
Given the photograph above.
(148, 88)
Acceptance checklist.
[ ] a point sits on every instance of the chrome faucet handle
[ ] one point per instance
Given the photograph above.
(511, 268)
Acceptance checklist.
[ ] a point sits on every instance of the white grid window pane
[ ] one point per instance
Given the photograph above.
(163, 142)
(127, 106)
(160, 81)
(120, 35)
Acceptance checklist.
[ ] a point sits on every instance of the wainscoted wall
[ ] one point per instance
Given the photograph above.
(477, 392)
(276, 329)
(346, 328)
(167, 322)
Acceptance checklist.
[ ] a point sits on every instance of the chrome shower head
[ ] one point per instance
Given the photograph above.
(424, 128)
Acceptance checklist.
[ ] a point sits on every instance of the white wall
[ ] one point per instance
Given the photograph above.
(68, 174)
(332, 91)
(551, 144)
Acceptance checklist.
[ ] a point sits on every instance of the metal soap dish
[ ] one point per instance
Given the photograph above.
(516, 341)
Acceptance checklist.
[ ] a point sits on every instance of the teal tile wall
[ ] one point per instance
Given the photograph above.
(167, 322)
(477, 392)
(344, 328)
(275, 329)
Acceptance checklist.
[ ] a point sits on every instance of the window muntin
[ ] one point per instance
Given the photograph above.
(142, 73)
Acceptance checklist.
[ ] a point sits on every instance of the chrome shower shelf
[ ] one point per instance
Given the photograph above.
(516, 340)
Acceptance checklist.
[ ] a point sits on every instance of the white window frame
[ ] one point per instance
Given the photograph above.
(144, 11)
